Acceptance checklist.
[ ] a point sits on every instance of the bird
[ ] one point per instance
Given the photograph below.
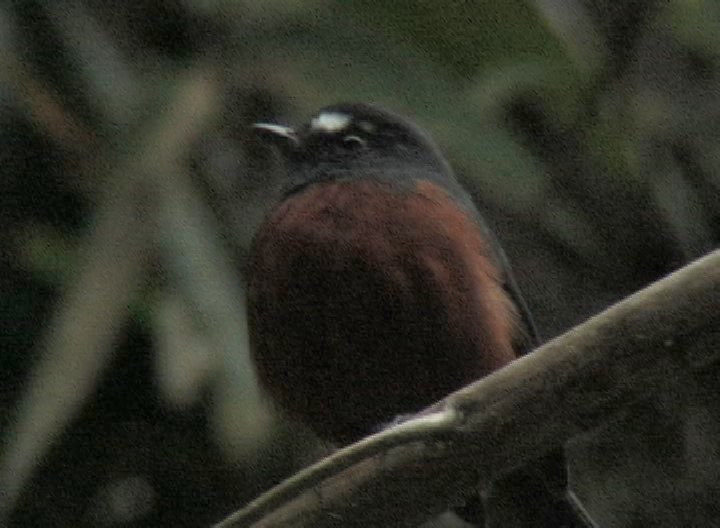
(376, 288)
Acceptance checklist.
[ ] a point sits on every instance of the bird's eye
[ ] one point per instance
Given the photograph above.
(354, 142)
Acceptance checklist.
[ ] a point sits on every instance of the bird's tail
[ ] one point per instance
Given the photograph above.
(536, 496)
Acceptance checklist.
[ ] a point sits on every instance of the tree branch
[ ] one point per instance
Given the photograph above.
(646, 344)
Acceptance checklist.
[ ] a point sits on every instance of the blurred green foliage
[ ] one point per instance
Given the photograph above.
(587, 131)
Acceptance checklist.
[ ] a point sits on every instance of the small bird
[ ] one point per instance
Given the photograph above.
(375, 289)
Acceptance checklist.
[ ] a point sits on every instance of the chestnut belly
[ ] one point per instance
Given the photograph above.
(368, 301)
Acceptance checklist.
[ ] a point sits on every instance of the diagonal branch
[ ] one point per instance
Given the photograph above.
(650, 342)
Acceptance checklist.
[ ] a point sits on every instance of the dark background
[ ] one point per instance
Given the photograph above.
(130, 187)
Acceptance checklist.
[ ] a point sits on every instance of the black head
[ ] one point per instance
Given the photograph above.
(356, 140)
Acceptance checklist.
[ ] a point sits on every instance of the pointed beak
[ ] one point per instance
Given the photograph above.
(282, 137)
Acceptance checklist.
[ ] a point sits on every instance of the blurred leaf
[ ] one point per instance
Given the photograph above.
(110, 84)
(79, 342)
(572, 23)
(184, 358)
(464, 38)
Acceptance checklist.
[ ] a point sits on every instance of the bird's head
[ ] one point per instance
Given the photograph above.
(356, 140)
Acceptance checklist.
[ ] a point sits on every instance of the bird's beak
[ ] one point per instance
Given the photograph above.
(284, 138)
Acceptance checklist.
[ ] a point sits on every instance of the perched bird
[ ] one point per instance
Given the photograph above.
(375, 288)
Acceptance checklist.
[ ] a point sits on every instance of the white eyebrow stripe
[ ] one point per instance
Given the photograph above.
(330, 122)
